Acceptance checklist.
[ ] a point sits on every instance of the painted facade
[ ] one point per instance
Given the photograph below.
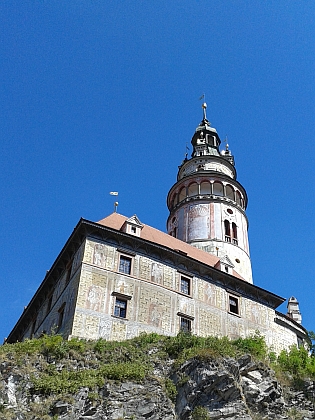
(117, 278)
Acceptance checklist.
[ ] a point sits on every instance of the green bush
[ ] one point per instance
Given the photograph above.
(171, 390)
(297, 362)
(254, 345)
(200, 413)
(65, 381)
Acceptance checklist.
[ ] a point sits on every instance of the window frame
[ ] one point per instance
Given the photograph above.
(187, 328)
(123, 298)
(234, 234)
(121, 310)
(236, 299)
(125, 257)
(185, 318)
(187, 280)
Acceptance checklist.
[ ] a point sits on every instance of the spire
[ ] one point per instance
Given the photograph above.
(206, 140)
(204, 107)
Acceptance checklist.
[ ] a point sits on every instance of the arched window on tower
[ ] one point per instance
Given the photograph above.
(193, 190)
(173, 200)
(229, 192)
(182, 194)
(205, 188)
(238, 199)
(234, 233)
(227, 231)
(218, 189)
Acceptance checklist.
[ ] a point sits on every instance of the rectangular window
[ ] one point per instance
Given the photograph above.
(185, 324)
(185, 285)
(233, 305)
(120, 308)
(124, 264)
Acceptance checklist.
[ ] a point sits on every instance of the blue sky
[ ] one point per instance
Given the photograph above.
(97, 96)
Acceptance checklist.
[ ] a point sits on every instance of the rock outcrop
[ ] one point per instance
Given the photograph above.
(225, 388)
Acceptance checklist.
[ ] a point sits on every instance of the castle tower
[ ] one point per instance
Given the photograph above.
(294, 310)
(207, 204)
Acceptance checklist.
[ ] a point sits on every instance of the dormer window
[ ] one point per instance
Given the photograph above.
(133, 226)
(225, 264)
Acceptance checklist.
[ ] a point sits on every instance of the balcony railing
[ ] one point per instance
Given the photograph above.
(229, 239)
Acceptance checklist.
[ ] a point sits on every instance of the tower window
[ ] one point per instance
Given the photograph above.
(120, 309)
(239, 199)
(124, 265)
(218, 189)
(182, 194)
(193, 189)
(227, 231)
(234, 232)
(233, 305)
(185, 285)
(229, 192)
(205, 188)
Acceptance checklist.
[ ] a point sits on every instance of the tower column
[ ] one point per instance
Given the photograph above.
(211, 218)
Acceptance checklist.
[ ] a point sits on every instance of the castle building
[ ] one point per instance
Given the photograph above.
(119, 277)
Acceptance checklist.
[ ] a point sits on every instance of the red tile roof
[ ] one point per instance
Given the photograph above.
(116, 221)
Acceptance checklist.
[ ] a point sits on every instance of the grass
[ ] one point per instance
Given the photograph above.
(58, 368)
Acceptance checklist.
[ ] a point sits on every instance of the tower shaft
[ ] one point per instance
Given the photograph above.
(207, 204)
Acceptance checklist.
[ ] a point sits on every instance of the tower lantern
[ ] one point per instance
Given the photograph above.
(207, 204)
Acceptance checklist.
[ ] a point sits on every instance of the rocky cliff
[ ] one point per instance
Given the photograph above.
(74, 385)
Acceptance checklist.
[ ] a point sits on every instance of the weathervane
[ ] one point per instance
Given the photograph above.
(116, 202)
(204, 105)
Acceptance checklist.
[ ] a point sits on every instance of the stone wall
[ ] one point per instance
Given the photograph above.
(155, 303)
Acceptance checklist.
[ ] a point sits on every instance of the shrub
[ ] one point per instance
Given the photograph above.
(255, 345)
(297, 362)
(200, 413)
(171, 390)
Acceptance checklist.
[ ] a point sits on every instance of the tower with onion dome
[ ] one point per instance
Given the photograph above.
(207, 204)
